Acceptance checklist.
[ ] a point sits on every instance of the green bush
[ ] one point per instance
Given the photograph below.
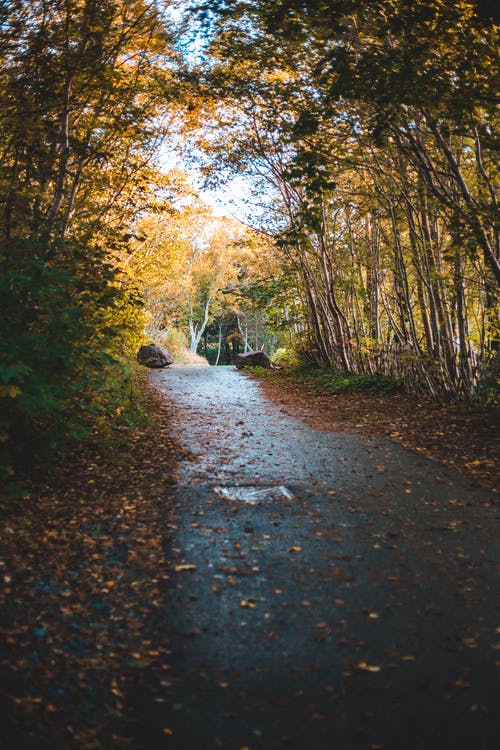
(62, 332)
(285, 357)
(335, 382)
(350, 383)
(487, 392)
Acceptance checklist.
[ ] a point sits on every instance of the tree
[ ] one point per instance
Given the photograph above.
(83, 85)
(375, 128)
(186, 260)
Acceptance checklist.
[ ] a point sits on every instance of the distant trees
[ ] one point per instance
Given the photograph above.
(193, 267)
(376, 124)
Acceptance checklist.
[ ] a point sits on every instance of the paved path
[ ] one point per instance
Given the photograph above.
(354, 608)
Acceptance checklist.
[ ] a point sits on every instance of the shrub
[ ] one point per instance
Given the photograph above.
(65, 327)
(175, 341)
(285, 357)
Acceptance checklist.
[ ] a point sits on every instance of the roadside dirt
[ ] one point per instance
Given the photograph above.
(81, 561)
(468, 443)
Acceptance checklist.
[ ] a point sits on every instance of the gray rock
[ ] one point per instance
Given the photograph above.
(252, 359)
(153, 355)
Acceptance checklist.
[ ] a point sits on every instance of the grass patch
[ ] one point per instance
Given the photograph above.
(330, 381)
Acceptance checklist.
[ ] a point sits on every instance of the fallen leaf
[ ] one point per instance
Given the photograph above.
(250, 603)
(470, 642)
(462, 683)
(368, 667)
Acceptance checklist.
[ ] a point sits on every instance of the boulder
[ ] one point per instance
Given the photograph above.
(252, 359)
(153, 355)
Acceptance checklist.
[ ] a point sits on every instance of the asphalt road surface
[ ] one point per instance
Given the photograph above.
(329, 591)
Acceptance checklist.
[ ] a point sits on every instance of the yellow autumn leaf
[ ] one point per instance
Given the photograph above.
(248, 603)
(10, 391)
(368, 667)
(470, 642)
(184, 566)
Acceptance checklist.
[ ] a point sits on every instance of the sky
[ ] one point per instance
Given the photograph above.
(226, 200)
(234, 198)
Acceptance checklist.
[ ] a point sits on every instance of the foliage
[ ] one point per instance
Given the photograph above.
(172, 339)
(81, 89)
(201, 276)
(376, 133)
(175, 342)
(285, 358)
(118, 407)
(57, 368)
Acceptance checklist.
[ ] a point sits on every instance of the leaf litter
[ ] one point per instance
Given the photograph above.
(81, 571)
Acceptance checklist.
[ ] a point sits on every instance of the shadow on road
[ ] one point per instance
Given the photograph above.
(358, 609)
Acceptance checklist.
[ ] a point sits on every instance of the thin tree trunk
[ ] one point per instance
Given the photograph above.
(219, 344)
